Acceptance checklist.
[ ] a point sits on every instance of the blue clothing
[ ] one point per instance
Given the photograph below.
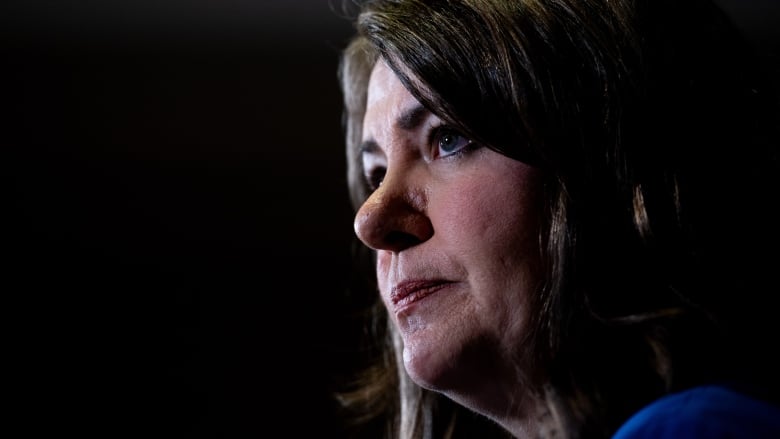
(706, 412)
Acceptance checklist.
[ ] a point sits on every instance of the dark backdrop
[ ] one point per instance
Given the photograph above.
(177, 231)
(176, 227)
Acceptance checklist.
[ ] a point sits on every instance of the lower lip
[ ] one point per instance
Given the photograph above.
(417, 296)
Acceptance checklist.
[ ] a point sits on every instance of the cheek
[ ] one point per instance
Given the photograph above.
(487, 212)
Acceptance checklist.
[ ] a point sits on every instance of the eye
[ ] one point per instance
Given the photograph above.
(374, 177)
(447, 141)
(374, 167)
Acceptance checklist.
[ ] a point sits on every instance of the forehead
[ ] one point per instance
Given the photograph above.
(380, 82)
(386, 95)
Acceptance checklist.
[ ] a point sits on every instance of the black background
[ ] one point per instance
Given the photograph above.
(176, 228)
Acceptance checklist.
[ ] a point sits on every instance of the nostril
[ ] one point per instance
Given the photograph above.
(398, 240)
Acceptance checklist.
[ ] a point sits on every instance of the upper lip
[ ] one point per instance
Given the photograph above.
(406, 288)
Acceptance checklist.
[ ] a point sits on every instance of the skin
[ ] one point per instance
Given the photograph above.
(455, 228)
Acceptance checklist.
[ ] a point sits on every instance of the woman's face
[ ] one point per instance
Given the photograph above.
(455, 227)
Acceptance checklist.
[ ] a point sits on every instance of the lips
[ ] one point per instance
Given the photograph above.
(408, 292)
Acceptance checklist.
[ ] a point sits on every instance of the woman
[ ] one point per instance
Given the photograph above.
(566, 205)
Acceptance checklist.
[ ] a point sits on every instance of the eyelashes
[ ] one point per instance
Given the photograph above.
(443, 142)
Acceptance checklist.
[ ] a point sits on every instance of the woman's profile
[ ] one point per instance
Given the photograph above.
(567, 209)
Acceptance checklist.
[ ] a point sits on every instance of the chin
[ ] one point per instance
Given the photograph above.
(422, 369)
(427, 364)
(447, 365)
(439, 367)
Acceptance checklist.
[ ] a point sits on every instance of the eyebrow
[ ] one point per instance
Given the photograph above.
(368, 147)
(409, 120)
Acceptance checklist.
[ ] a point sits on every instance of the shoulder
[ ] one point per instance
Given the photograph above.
(706, 412)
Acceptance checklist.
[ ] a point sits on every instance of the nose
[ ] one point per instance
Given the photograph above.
(393, 218)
